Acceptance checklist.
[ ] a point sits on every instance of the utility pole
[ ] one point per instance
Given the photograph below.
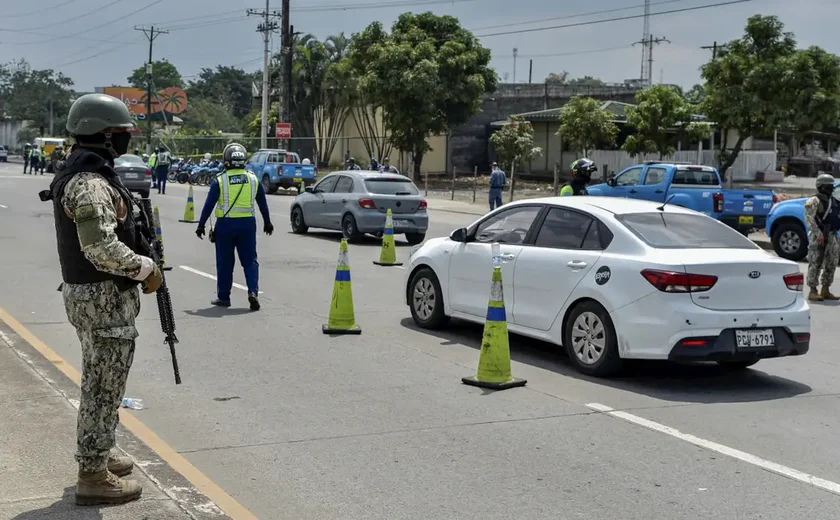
(713, 48)
(649, 43)
(287, 37)
(266, 28)
(645, 37)
(151, 35)
(515, 54)
(530, 70)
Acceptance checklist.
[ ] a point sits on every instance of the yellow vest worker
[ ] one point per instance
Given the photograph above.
(234, 196)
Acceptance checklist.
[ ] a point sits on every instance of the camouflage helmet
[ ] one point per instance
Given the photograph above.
(825, 179)
(93, 113)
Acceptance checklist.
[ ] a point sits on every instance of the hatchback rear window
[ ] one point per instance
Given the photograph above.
(391, 187)
(128, 160)
(665, 230)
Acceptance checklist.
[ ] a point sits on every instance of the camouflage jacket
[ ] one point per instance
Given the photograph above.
(97, 208)
(814, 213)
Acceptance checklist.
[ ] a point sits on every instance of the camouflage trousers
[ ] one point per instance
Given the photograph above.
(822, 261)
(104, 320)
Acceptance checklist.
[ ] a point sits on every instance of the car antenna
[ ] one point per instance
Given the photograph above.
(662, 207)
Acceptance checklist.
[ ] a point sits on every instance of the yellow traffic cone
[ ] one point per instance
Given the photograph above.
(388, 256)
(494, 361)
(159, 234)
(189, 211)
(342, 316)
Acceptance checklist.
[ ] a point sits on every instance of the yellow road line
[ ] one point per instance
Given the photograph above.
(166, 452)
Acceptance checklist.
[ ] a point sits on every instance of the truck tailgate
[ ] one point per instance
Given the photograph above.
(299, 171)
(743, 208)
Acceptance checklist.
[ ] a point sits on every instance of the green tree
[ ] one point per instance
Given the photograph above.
(207, 115)
(164, 75)
(746, 86)
(660, 117)
(35, 95)
(514, 144)
(814, 90)
(586, 81)
(585, 125)
(254, 121)
(228, 86)
(428, 75)
(695, 95)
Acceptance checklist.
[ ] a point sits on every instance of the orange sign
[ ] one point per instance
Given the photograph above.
(173, 99)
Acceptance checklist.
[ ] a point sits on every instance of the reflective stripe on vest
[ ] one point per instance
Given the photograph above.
(235, 183)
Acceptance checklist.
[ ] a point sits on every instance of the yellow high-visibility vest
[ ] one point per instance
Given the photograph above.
(153, 160)
(240, 186)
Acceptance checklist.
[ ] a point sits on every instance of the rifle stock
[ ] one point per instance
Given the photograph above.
(164, 300)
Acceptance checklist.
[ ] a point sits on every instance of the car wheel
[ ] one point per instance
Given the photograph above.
(299, 227)
(425, 299)
(590, 340)
(737, 365)
(790, 241)
(144, 194)
(349, 229)
(415, 238)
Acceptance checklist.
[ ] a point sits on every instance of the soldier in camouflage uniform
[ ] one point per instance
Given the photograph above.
(103, 260)
(823, 245)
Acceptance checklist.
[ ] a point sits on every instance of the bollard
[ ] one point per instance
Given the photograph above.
(475, 182)
(426, 182)
(454, 170)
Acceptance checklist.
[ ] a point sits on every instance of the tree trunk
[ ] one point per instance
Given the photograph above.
(418, 160)
(732, 156)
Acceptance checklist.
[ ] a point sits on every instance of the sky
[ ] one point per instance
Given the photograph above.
(95, 43)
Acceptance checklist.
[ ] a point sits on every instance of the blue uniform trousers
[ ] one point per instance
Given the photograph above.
(495, 198)
(238, 234)
(160, 174)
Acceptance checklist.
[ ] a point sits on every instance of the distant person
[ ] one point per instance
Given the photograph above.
(582, 171)
(34, 160)
(27, 153)
(164, 161)
(386, 166)
(351, 164)
(498, 180)
(822, 215)
(374, 165)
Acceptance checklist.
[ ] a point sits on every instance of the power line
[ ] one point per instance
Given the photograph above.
(649, 42)
(267, 26)
(83, 15)
(560, 54)
(615, 19)
(39, 11)
(109, 22)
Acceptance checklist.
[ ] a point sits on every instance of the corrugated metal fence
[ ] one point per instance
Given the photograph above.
(744, 169)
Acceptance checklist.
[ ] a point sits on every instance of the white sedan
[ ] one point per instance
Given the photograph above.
(612, 279)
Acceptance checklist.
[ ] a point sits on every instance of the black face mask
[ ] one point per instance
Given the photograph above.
(119, 142)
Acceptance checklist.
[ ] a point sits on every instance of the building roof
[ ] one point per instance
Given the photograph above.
(617, 108)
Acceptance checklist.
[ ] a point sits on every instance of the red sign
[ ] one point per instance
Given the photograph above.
(283, 131)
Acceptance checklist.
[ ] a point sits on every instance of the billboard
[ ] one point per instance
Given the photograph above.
(171, 100)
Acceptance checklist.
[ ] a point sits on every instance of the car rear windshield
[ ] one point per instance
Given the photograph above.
(391, 187)
(665, 230)
(128, 160)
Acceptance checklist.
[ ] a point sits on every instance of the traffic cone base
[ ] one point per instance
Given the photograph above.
(388, 256)
(189, 210)
(494, 371)
(342, 318)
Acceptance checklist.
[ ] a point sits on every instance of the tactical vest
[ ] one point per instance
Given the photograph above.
(75, 268)
(578, 189)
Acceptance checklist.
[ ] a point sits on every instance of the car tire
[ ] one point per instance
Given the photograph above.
(586, 317)
(785, 238)
(144, 194)
(427, 310)
(415, 238)
(349, 229)
(299, 226)
(736, 366)
(269, 188)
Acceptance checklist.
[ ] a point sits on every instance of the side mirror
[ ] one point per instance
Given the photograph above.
(310, 189)
(611, 182)
(459, 235)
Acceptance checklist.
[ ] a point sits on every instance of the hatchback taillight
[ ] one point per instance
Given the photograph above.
(673, 282)
(148, 173)
(718, 200)
(795, 282)
(423, 205)
(367, 204)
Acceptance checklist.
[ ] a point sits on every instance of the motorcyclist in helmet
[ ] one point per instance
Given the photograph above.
(351, 164)
(582, 171)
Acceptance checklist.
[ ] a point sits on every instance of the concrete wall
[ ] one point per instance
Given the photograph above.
(9, 133)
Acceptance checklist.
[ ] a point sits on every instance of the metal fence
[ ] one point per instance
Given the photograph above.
(746, 165)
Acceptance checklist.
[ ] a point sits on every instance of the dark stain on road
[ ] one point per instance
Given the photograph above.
(223, 399)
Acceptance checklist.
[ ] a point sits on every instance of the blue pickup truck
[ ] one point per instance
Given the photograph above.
(281, 169)
(787, 229)
(691, 186)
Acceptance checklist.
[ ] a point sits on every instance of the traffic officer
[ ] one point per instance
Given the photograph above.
(43, 161)
(821, 217)
(498, 179)
(27, 152)
(152, 164)
(386, 166)
(234, 193)
(162, 163)
(34, 159)
(102, 265)
(582, 171)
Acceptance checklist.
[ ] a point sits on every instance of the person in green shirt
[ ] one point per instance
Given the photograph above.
(582, 171)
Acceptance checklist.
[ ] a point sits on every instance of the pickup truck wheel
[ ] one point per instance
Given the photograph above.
(299, 227)
(349, 229)
(790, 241)
(269, 188)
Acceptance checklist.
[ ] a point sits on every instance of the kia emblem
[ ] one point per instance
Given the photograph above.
(754, 274)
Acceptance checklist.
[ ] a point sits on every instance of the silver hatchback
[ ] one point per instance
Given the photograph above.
(356, 202)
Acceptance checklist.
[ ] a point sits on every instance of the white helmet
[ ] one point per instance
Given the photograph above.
(208, 156)
(306, 161)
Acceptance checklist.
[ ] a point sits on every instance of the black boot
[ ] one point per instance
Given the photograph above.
(254, 301)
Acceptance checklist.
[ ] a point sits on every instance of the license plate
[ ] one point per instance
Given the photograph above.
(400, 223)
(746, 219)
(130, 175)
(755, 338)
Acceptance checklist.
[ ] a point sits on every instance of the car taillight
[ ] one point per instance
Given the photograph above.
(148, 173)
(718, 200)
(672, 282)
(423, 205)
(795, 282)
(367, 204)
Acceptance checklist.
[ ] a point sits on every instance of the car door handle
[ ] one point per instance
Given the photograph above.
(632, 191)
(576, 264)
(344, 201)
(659, 191)
(508, 256)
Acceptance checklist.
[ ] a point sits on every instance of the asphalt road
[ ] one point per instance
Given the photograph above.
(295, 424)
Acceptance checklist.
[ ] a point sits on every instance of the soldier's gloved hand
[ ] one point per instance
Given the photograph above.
(153, 282)
(199, 232)
(268, 228)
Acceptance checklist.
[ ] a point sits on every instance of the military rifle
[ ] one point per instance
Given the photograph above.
(164, 301)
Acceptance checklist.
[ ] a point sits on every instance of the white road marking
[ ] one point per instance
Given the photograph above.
(210, 276)
(779, 469)
(4, 207)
